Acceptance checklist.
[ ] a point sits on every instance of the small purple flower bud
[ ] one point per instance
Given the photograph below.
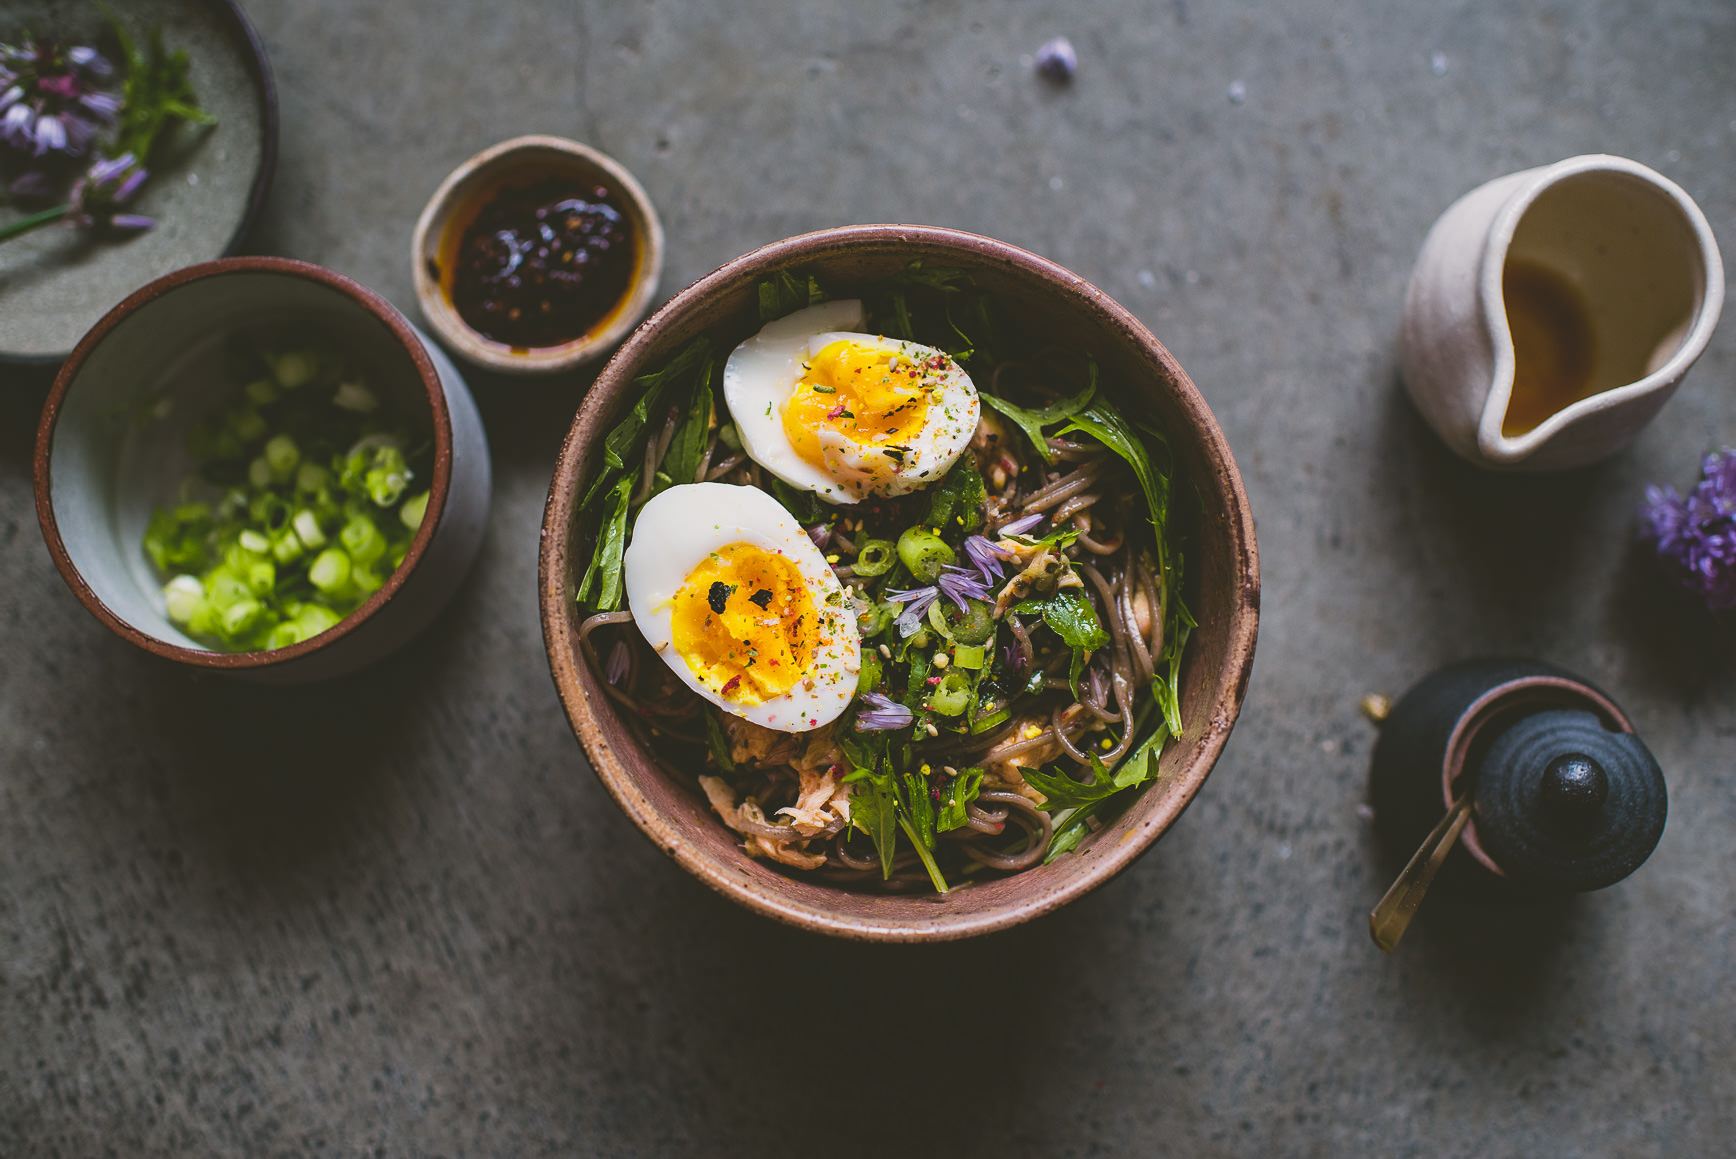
(106, 170)
(882, 714)
(821, 534)
(104, 105)
(1024, 525)
(909, 621)
(620, 659)
(50, 135)
(130, 186)
(1056, 61)
(960, 586)
(985, 557)
(132, 222)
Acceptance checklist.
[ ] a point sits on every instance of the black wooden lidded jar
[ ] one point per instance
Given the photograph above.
(1565, 798)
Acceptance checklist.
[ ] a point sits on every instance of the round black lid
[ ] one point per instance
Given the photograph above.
(1563, 803)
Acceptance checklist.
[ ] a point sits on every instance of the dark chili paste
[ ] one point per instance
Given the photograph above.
(542, 264)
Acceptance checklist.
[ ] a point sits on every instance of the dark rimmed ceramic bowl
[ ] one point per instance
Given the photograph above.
(111, 446)
(469, 188)
(1224, 588)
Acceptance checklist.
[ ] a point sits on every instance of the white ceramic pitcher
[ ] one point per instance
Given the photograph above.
(1624, 243)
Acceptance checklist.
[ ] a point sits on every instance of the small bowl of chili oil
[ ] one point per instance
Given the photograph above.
(537, 255)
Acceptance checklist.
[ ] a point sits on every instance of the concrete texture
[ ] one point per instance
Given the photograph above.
(397, 916)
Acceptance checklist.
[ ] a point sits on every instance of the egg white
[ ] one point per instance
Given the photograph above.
(761, 375)
(676, 529)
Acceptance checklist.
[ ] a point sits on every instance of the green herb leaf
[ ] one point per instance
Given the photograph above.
(687, 446)
(803, 505)
(874, 812)
(784, 293)
(919, 807)
(718, 742)
(157, 94)
(1063, 792)
(958, 792)
(1033, 420)
(1070, 832)
(603, 576)
(618, 445)
(1070, 614)
(1103, 422)
(961, 495)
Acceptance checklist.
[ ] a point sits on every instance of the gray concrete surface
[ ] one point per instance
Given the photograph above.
(397, 916)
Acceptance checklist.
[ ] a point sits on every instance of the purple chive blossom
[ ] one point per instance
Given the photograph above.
(1024, 525)
(1056, 60)
(50, 102)
(883, 713)
(960, 585)
(985, 557)
(909, 621)
(1695, 537)
(821, 534)
(619, 660)
(99, 196)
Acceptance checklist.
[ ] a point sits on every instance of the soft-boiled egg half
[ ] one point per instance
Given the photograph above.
(731, 592)
(845, 414)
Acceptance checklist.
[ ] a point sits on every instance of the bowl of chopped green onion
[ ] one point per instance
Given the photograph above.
(259, 467)
(898, 583)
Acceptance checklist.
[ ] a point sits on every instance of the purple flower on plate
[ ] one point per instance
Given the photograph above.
(1695, 536)
(51, 102)
(99, 196)
(882, 714)
(1024, 525)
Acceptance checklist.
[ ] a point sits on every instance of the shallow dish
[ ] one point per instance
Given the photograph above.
(55, 283)
(1224, 591)
(112, 445)
(469, 188)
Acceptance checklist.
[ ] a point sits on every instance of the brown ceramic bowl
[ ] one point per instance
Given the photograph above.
(1223, 587)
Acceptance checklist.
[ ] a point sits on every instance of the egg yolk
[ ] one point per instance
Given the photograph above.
(867, 394)
(744, 622)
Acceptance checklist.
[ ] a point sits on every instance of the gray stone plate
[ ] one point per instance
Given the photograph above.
(206, 184)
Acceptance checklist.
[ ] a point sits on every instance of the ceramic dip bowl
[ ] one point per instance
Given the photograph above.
(111, 446)
(1222, 588)
(510, 166)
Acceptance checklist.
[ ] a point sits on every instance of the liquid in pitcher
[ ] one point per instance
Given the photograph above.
(1554, 349)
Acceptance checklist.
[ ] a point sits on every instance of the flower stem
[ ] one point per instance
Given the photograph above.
(26, 224)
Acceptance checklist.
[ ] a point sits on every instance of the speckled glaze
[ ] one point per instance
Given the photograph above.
(469, 186)
(1440, 730)
(92, 492)
(206, 188)
(1635, 246)
(1223, 589)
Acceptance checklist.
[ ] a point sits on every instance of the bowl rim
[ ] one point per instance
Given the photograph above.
(265, 85)
(438, 488)
(564, 663)
(479, 170)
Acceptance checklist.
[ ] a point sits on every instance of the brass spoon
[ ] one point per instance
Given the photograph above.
(1392, 915)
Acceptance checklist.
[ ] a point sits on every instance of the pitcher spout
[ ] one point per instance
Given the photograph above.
(1554, 311)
